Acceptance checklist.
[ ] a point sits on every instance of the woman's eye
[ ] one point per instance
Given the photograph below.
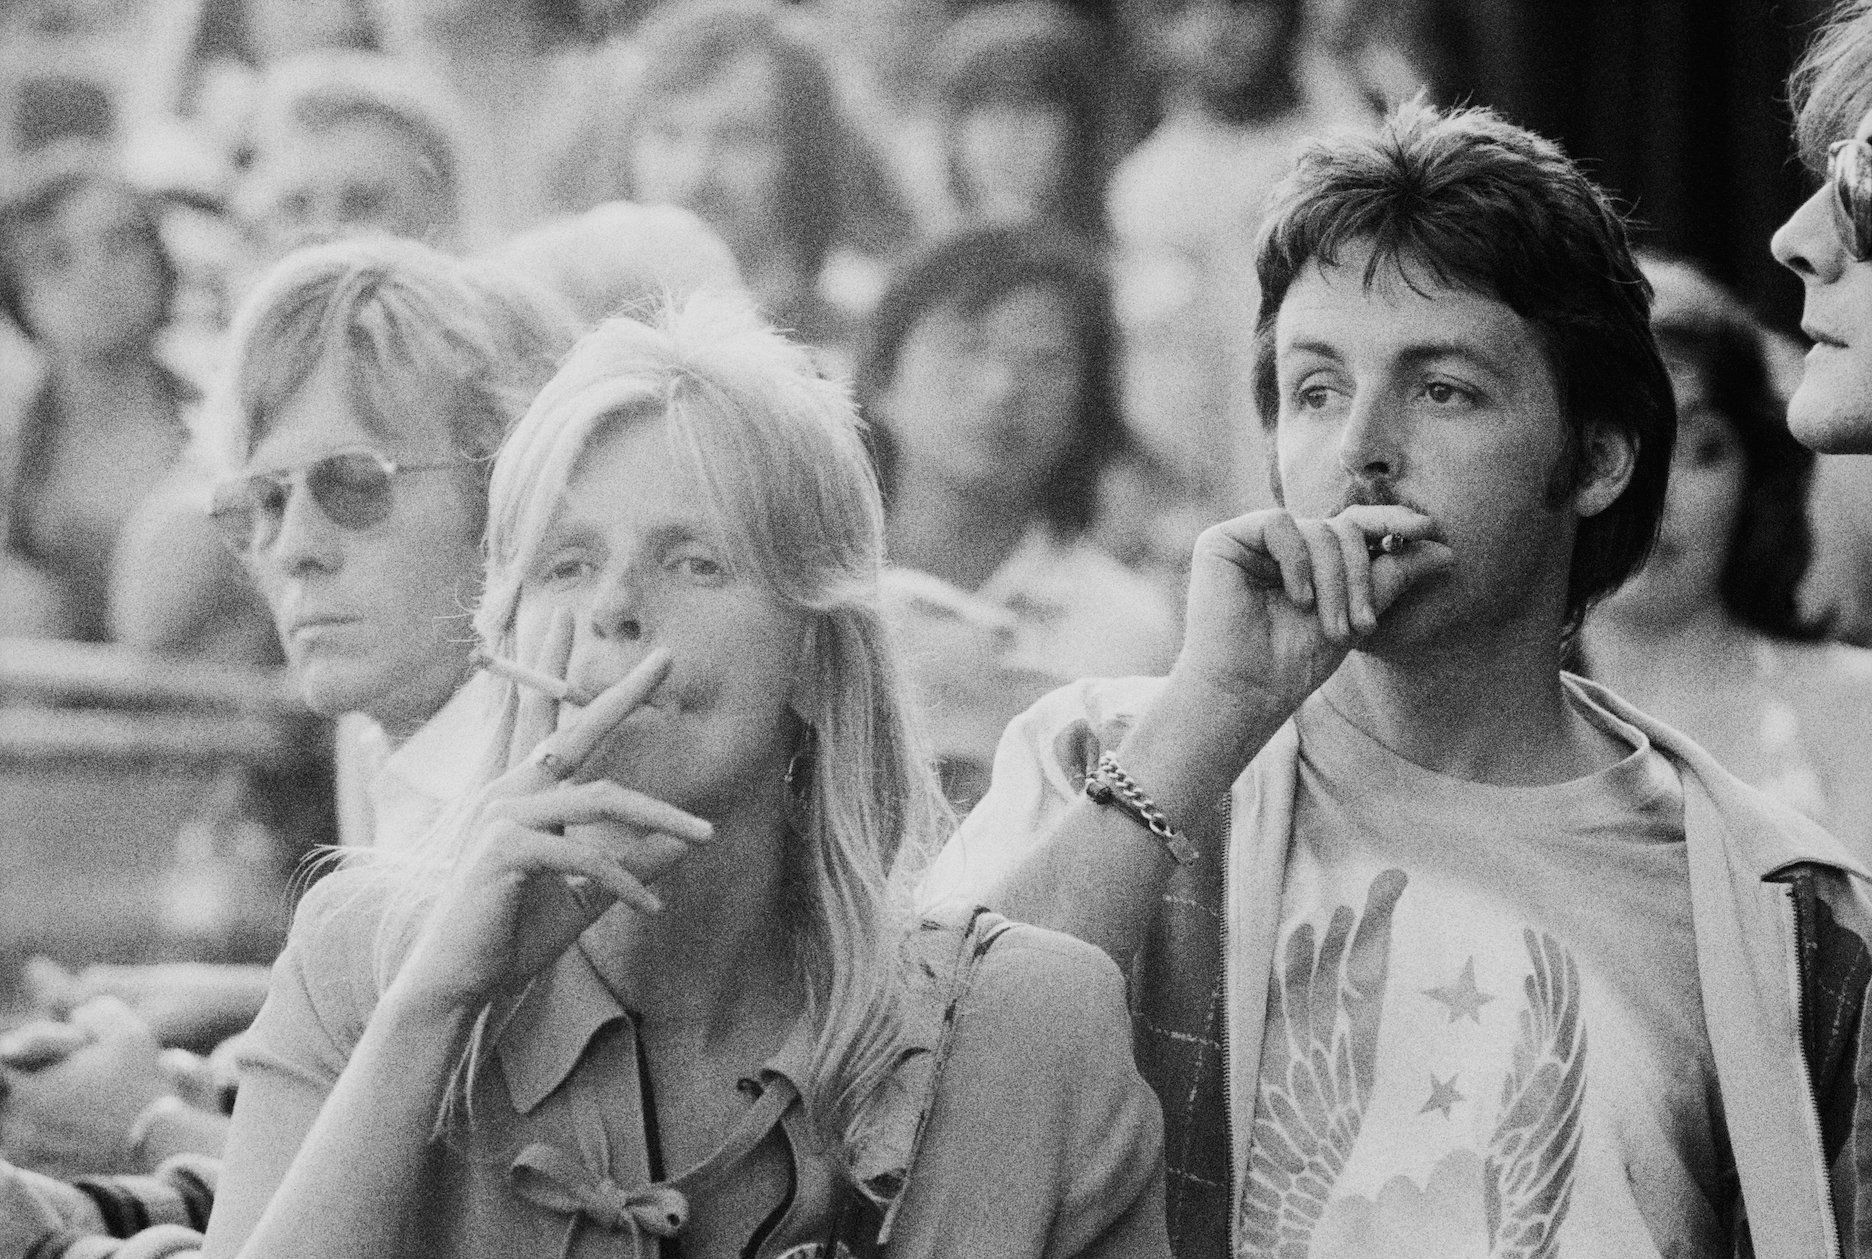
(705, 567)
(570, 569)
(1313, 397)
(1443, 393)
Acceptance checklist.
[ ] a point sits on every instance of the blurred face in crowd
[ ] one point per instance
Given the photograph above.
(1011, 159)
(1442, 401)
(716, 150)
(278, 29)
(1683, 577)
(1832, 408)
(372, 619)
(986, 401)
(1234, 48)
(652, 568)
(91, 282)
(362, 174)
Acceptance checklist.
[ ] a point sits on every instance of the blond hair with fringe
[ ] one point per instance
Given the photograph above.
(778, 451)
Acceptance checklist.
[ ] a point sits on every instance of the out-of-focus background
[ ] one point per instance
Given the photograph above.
(159, 782)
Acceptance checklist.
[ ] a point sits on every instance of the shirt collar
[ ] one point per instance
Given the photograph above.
(439, 761)
(548, 1028)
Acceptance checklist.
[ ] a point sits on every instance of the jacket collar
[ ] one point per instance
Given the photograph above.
(1764, 836)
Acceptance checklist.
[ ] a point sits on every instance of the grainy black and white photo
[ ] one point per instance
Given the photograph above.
(936, 629)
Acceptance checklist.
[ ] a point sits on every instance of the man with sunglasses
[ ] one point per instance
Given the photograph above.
(1433, 948)
(1828, 240)
(370, 384)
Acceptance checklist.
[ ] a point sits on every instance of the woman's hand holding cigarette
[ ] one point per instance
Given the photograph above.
(1277, 600)
(534, 872)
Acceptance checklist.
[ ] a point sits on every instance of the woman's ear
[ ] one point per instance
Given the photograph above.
(1608, 457)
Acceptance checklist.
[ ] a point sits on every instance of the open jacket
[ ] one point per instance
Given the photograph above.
(1781, 912)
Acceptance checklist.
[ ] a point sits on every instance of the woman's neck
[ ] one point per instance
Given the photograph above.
(1656, 662)
(719, 959)
(959, 537)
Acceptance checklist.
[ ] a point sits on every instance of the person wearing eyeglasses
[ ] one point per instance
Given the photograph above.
(371, 382)
(645, 991)
(1828, 240)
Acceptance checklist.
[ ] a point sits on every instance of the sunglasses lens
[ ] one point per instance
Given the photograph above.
(1852, 196)
(248, 512)
(353, 489)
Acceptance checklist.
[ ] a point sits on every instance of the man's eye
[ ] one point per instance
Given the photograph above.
(702, 566)
(1313, 397)
(1442, 393)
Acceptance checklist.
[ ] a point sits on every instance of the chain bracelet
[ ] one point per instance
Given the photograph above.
(1108, 784)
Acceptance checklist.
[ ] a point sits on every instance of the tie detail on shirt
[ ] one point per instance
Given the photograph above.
(549, 1177)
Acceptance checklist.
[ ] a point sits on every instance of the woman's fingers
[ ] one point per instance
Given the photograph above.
(560, 754)
(538, 712)
(539, 853)
(605, 801)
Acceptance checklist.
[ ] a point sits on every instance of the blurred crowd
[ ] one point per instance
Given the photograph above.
(1021, 232)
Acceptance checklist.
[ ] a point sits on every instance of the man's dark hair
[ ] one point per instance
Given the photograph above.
(1466, 200)
(972, 271)
(1831, 87)
(1705, 329)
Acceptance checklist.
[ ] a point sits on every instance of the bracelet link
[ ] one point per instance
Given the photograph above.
(1108, 784)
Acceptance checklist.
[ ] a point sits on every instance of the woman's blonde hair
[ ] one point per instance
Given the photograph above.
(779, 453)
(408, 327)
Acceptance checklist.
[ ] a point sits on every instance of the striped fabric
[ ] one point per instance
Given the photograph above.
(159, 1216)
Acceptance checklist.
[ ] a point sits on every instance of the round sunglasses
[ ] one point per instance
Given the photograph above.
(1849, 175)
(354, 488)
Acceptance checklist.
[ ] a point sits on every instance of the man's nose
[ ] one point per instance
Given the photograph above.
(306, 539)
(1369, 446)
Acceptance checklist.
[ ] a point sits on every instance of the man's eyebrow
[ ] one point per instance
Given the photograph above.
(1467, 351)
(1321, 349)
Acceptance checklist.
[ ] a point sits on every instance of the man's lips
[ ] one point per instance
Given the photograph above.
(1819, 337)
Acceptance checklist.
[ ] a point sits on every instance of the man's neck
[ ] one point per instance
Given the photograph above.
(955, 536)
(1487, 711)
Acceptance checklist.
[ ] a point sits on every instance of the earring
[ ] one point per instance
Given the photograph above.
(799, 768)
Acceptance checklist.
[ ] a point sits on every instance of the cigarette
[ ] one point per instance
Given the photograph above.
(546, 684)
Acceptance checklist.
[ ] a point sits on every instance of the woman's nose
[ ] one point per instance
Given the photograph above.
(1809, 244)
(617, 613)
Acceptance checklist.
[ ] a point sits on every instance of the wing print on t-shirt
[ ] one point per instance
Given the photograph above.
(1317, 1069)
(1527, 1176)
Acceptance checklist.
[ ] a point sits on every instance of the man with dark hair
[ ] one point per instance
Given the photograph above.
(1828, 241)
(1433, 948)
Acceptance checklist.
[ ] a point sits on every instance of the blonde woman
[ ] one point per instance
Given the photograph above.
(644, 991)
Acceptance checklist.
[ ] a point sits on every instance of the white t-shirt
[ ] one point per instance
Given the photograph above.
(1484, 1023)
